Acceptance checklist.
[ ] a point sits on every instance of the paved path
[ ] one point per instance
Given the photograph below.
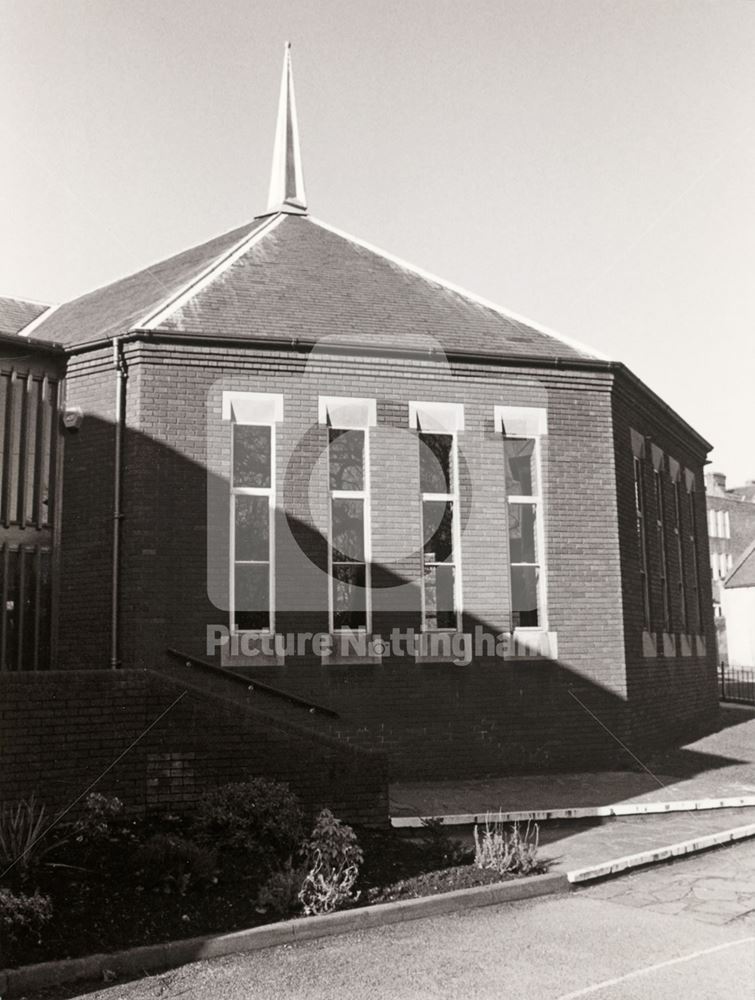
(571, 845)
(663, 933)
(720, 765)
(717, 888)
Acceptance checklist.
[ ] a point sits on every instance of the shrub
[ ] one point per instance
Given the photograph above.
(98, 818)
(333, 857)
(174, 864)
(280, 894)
(440, 851)
(23, 916)
(514, 852)
(259, 819)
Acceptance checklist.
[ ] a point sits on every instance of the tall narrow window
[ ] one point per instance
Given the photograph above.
(638, 445)
(349, 571)
(437, 425)
(349, 537)
(252, 528)
(523, 492)
(523, 428)
(678, 537)
(696, 596)
(438, 486)
(660, 535)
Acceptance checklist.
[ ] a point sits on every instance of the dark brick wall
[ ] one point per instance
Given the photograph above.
(87, 515)
(670, 697)
(61, 730)
(435, 720)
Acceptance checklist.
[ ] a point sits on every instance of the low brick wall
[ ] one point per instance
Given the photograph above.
(61, 731)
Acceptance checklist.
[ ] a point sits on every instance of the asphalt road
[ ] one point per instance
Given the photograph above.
(685, 930)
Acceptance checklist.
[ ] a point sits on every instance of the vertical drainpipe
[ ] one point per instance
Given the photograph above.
(121, 374)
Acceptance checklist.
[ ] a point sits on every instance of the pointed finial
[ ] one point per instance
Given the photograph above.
(287, 180)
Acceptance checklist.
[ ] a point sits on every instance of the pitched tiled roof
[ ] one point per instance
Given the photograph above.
(743, 573)
(15, 314)
(300, 279)
(114, 309)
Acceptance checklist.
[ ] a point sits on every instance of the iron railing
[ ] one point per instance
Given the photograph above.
(737, 684)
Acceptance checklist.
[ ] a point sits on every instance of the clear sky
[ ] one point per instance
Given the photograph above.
(588, 163)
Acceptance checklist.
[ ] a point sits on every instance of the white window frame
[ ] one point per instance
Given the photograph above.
(524, 423)
(257, 410)
(346, 413)
(441, 418)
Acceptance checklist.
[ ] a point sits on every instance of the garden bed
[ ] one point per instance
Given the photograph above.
(109, 892)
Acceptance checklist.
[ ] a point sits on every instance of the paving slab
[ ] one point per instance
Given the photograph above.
(718, 766)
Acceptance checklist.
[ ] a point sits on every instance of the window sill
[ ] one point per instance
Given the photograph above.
(353, 648)
(251, 649)
(649, 645)
(669, 645)
(528, 644)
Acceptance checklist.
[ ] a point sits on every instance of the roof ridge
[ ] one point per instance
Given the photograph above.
(740, 562)
(207, 275)
(515, 318)
(25, 300)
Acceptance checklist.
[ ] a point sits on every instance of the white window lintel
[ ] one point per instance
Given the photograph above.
(521, 421)
(253, 407)
(347, 412)
(436, 418)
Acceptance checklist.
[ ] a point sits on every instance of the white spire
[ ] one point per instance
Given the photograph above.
(287, 180)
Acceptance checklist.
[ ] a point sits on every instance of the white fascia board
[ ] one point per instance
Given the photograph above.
(516, 318)
(27, 330)
(214, 270)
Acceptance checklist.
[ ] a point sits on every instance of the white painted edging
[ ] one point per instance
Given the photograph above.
(618, 865)
(579, 812)
(152, 958)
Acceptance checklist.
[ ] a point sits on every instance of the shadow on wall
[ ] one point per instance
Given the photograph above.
(434, 720)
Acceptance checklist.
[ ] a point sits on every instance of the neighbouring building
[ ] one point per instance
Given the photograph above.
(739, 611)
(731, 530)
(333, 484)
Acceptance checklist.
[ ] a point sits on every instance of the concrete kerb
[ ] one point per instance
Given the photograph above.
(154, 958)
(578, 812)
(653, 855)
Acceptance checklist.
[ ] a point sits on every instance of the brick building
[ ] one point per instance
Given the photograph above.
(495, 537)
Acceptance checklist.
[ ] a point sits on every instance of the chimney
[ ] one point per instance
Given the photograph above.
(715, 483)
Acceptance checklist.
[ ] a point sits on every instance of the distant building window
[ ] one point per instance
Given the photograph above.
(727, 525)
(712, 524)
(437, 425)
(252, 531)
(638, 450)
(522, 429)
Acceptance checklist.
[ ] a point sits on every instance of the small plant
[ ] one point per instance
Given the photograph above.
(171, 863)
(280, 894)
(22, 844)
(99, 815)
(333, 857)
(259, 819)
(440, 850)
(23, 916)
(503, 852)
